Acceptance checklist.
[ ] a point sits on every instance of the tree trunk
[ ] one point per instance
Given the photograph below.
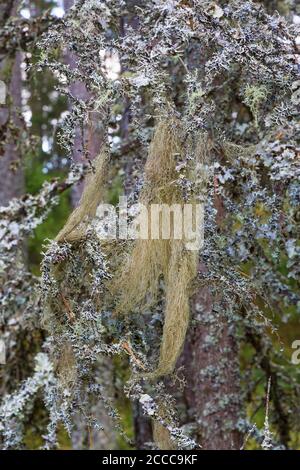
(89, 139)
(11, 170)
(142, 428)
(212, 373)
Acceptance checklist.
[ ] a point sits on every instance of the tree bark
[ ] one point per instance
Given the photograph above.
(11, 170)
(142, 428)
(212, 373)
(90, 138)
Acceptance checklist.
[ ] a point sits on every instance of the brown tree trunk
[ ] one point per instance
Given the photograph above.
(211, 359)
(212, 372)
(89, 139)
(142, 428)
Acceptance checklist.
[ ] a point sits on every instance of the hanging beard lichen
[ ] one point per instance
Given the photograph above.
(151, 260)
(76, 225)
(73, 273)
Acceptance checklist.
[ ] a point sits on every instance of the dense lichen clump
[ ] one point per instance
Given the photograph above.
(76, 227)
(151, 260)
(202, 111)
